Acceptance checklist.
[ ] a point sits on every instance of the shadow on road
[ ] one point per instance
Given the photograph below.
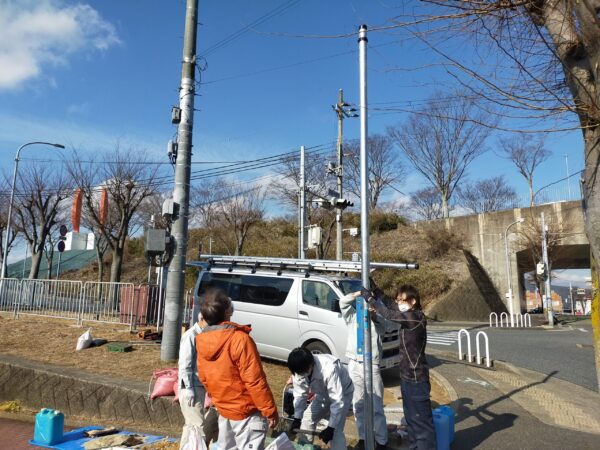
(489, 422)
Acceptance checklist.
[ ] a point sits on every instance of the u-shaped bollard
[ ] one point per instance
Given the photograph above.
(487, 348)
(460, 354)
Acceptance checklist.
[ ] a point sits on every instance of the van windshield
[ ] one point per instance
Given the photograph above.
(349, 285)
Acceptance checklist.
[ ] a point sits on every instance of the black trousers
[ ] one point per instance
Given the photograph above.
(417, 412)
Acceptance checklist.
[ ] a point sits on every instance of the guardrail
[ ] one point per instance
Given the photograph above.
(92, 301)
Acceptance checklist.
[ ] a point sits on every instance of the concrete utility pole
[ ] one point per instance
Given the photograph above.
(364, 224)
(169, 350)
(302, 208)
(547, 287)
(342, 111)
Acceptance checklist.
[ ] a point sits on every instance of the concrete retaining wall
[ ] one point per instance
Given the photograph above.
(98, 399)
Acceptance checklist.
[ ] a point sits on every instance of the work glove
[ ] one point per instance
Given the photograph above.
(295, 425)
(377, 292)
(367, 295)
(327, 434)
(187, 396)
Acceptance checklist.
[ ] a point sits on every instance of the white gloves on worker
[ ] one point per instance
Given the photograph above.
(187, 396)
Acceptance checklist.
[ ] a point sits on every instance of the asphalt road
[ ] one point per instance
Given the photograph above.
(568, 350)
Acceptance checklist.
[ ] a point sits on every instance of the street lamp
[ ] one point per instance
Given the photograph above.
(12, 196)
(508, 271)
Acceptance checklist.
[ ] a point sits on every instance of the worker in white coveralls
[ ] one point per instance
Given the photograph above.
(328, 380)
(356, 370)
(191, 391)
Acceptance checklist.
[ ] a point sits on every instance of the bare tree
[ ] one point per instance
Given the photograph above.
(427, 203)
(4, 201)
(40, 194)
(492, 194)
(549, 52)
(441, 140)
(385, 168)
(529, 237)
(287, 191)
(128, 182)
(49, 248)
(526, 153)
(239, 209)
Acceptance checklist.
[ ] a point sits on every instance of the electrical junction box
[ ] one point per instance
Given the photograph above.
(315, 236)
(156, 240)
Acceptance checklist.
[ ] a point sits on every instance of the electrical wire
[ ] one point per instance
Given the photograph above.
(239, 33)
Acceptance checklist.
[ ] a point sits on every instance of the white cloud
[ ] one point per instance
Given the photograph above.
(35, 34)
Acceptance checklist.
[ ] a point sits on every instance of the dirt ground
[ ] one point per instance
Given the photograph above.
(53, 341)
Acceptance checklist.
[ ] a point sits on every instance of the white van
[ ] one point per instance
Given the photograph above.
(288, 309)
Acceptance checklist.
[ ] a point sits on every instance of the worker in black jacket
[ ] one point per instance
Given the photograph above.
(414, 370)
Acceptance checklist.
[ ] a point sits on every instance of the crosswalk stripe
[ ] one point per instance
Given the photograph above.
(442, 338)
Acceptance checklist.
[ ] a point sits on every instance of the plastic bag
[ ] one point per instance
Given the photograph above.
(195, 439)
(281, 443)
(166, 382)
(85, 340)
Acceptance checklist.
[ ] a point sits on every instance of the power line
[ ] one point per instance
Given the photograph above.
(239, 33)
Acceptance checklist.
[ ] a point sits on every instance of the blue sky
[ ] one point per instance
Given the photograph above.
(90, 74)
(96, 73)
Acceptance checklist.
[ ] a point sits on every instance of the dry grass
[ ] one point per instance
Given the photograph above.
(53, 341)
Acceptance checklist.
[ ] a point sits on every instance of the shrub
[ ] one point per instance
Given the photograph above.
(440, 241)
(430, 281)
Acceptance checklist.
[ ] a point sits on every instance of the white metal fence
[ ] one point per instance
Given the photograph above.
(121, 303)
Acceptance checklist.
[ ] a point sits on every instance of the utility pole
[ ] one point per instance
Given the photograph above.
(364, 224)
(342, 111)
(302, 208)
(547, 287)
(169, 350)
(568, 175)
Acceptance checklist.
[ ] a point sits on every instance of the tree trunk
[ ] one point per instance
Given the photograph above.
(116, 265)
(592, 225)
(36, 259)
(531, 199)
(100, 260)
(445, 209)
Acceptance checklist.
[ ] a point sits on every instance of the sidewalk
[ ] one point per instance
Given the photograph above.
(507, 407)
(511, 407)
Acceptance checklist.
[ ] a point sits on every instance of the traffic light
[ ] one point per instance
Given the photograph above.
(342, 203)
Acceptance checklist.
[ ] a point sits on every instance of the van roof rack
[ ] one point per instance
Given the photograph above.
(307, 265)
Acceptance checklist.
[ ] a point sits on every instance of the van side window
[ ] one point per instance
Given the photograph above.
(319, 294)
(271, 291)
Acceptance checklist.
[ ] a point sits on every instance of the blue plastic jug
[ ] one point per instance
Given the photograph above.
(448, 411)
(442, 430)
(49, 427)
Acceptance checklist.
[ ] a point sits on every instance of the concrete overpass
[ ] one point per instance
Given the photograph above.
(483, 236)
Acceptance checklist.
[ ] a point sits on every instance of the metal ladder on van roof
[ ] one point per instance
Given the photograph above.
(308, 265)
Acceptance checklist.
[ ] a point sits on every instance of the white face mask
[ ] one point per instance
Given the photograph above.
(403, 307)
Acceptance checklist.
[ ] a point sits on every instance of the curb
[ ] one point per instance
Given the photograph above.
(445, 384)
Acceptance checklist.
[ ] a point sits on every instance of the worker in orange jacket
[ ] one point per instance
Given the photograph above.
(230, 368)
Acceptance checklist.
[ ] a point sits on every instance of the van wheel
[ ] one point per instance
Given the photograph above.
(317, 347)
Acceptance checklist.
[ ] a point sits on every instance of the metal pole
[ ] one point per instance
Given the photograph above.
(547, 289)
(12, 197)
(509, 271)
(210, 245)
(302, 229)
(568, 176)
(169, 350)
(340, 156)
(58, 266)
(364, 224)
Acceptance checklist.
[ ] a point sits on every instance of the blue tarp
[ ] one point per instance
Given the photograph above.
(74, 440)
